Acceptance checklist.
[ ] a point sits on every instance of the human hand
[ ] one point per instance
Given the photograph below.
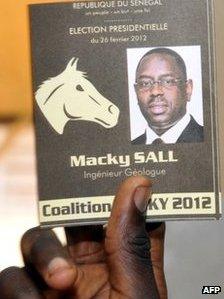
(97, 264)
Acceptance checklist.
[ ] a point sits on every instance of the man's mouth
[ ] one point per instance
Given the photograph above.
(158, 108)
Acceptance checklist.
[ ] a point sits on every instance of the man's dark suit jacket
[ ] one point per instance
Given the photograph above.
(192, 133)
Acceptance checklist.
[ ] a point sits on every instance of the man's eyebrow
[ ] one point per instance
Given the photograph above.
(169, 75)
(144, 77)
(152, 78)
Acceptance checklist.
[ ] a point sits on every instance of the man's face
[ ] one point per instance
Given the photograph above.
(162, 106)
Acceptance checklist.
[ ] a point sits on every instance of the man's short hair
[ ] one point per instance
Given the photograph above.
(165, 51)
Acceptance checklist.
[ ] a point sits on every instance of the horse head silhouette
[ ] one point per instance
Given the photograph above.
(70, 96)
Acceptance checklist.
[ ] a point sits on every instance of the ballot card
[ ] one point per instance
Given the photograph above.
(125, 88)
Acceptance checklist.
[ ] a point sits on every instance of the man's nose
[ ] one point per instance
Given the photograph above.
(156, 89)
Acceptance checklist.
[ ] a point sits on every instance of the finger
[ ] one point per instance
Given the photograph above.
(157, 238)
(151, 226)
(86, 244)
(42, 251)
(127, 242)
(16, 284)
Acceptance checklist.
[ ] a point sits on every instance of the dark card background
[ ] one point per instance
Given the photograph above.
(106, 65)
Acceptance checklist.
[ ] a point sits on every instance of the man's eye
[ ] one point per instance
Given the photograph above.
(167, 82)
(146, 83)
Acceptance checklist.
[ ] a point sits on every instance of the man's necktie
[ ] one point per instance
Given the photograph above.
(157, 141)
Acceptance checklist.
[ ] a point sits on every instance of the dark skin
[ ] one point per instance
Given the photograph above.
(116, 263)
(162, 107)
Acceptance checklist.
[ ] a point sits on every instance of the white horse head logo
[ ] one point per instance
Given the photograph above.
(70, 96)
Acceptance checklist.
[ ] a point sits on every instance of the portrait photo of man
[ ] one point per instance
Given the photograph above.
(163, 90)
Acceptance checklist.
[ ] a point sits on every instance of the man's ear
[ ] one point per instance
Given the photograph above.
(189, 89)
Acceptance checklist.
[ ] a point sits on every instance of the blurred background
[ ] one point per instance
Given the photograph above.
(194, 250)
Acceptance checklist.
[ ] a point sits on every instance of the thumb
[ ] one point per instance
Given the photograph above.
(127, 243)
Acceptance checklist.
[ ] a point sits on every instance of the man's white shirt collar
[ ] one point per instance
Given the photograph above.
(171, 135)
